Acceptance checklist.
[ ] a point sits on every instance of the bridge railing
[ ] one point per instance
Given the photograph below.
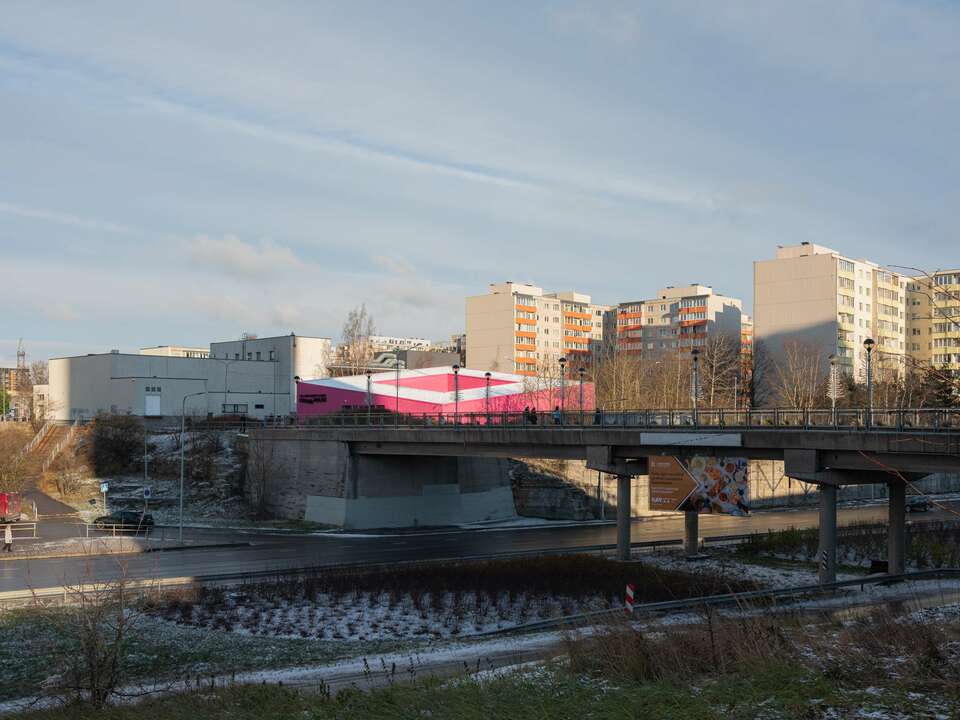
(845, 419)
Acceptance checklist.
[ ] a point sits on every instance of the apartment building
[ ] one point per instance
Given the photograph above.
(518, 328)
(933, 320)
(387, 343)
(678, 318)
(176, 351)
(814, 296)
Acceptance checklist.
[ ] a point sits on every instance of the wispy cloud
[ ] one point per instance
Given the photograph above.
(61, 218)
(595, 183)
(233, 256)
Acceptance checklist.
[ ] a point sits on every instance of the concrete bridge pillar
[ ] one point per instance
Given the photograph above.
(896, 534)
(827, 553)
(691, 534)
(623, 517)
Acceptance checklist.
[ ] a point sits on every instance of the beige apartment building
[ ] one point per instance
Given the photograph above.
(933, 320)
(679, 318)
(814, 296)
(517, 328)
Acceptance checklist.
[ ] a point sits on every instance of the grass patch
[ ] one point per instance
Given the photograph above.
(161, 650)
(780, 690)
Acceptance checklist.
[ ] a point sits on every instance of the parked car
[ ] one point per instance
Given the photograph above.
(125, 521)
(918, 503)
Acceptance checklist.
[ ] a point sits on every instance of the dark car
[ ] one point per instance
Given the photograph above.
(124, 520)
(917, 504)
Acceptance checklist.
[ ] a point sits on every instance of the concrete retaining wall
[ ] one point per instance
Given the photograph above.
(320, 481)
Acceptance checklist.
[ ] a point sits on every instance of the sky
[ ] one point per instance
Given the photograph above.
(183, 172)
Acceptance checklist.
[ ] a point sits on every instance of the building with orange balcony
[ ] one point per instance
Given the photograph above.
(518, 328)
(679, 318)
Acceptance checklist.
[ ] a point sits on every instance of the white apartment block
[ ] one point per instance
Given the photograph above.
(814, 296)
(517, 328)
(387, 343)
(176, 351)
(678, 318)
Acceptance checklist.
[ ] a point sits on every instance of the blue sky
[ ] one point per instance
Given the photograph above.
(185, 172)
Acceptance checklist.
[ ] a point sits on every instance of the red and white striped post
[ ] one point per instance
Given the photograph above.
(628, 600)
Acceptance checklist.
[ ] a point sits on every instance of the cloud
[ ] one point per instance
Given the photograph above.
(612, 21)
(61, 218)
(232, 256)
(393, 265)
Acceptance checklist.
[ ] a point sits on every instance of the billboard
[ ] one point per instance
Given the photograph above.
(699, 484)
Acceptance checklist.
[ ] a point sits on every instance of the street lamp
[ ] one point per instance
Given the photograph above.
(486, 376)
(456, 394)
(369, 396)
(696, 383)
(580, 372)
(563, 365)
(868, 346)
(183, 422)
(396, 414)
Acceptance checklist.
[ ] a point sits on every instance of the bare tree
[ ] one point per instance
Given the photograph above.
(719, 370)
(13, 461)
(355, 350)
(262, 464)
(39, 373)
(94, 634)
(798, 376)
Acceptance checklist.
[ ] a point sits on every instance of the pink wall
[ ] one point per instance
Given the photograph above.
(337, 400)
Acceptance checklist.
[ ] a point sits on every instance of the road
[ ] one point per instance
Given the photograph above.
(276, 551)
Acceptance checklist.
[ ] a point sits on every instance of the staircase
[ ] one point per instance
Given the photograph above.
(46, 445)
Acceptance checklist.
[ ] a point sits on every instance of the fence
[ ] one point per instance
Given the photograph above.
(933, 419)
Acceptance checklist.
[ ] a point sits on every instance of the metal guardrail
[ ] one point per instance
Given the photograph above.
(860, 420)
(35, 440)
(728, 599)
(24, 530)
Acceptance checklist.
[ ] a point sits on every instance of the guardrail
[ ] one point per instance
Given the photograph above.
(728, 599)
(24, 531)
(58, 448)
(859, 420)
(35, 440)
(116, 529)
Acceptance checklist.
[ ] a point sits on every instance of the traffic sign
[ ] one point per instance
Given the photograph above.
(147, 493)
(104, 487)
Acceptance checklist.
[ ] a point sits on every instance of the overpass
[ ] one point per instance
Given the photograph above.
(827, 448)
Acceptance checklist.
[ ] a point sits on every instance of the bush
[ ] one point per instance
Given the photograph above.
(116, 443)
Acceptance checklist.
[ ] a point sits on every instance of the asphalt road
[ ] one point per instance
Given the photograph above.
(276, 551)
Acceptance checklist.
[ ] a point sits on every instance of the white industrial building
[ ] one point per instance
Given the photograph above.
(254, 377)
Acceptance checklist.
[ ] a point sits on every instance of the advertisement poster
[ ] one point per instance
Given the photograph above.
(700, 484)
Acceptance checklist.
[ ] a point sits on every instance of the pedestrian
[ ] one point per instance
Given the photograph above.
(533, 416)
(526, 415)
(8, 538)
(556, 415)
(597, 417)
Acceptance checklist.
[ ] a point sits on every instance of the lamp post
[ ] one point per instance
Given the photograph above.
(456, 394)
(486, 376)
(396, 414)
(580, 372)
(563, 366)
(369, 395)
(868, 346)
(696, 384)
(183, 423)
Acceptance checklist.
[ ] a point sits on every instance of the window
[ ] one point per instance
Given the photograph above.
(249, 356)
(258, 354)
(845, 266)
(273, 354)
(236, 356)
(235, 409)
(258, 406)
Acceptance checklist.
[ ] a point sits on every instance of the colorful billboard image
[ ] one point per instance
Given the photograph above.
(699, 484)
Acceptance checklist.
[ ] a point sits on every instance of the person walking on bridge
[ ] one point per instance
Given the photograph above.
(8, 538)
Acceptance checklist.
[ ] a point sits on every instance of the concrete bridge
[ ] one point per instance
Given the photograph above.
(829, 449)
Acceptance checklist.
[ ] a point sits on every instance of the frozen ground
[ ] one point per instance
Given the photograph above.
(367, 616)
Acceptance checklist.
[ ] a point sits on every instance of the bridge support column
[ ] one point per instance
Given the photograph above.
(623, 517)
(827, 555)
(691, 534)
(896, 534)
